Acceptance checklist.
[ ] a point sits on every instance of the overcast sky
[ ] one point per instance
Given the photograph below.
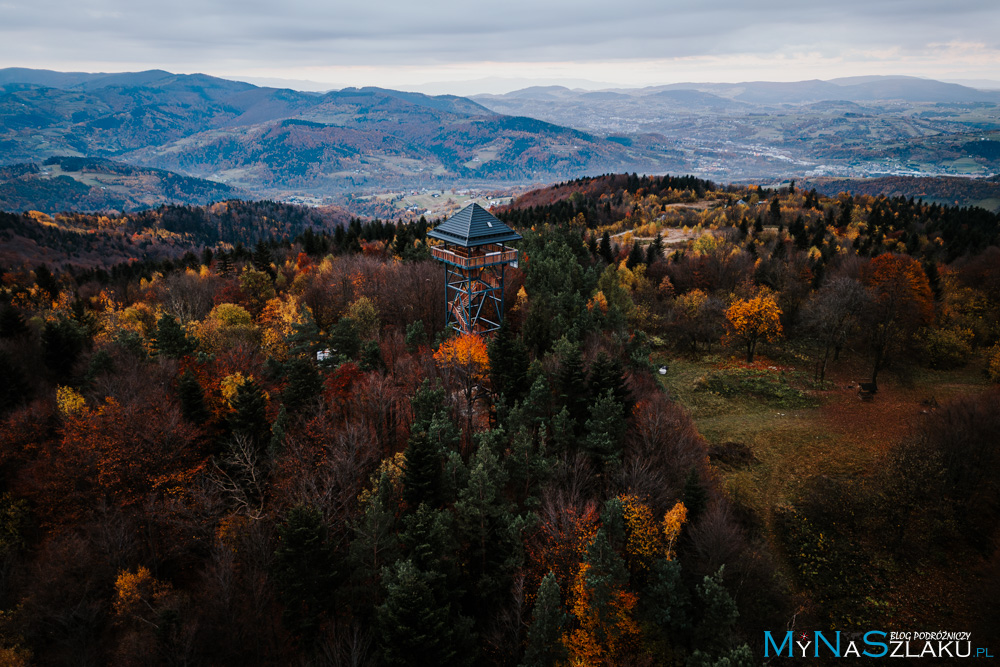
(491, 46)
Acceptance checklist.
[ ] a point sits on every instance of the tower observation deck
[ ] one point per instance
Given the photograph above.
(475, 255)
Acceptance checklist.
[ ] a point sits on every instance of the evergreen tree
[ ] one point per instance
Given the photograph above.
(635, 256)
(774, 211)
(758, 225)
(485, 522)
(371, 356)
(605, 431)
(278, 431)
(416, 335)
(13, 387)
(422, 473)
(414, 626)
(12, 324)
(63, 341)
(665, 600)
(375, 542)
(192, 399)
(604, 249)
(304, 383)
(171, 340)
(306, 339)
(304, 572)
(717, 616)
(46, 281)
(508, 360)
(249, 417)
(226, 267)
(655, 248)
(262, 258)
(571, 382)
(695, 496)
(607, 373)
(427, 403)
(344, 339)
(548, 622)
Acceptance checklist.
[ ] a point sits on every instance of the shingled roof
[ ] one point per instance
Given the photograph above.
(473, 226)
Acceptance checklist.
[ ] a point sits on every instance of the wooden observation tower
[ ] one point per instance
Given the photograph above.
(474, 255)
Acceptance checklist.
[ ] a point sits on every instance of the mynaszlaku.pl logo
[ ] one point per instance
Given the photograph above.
(872, 644)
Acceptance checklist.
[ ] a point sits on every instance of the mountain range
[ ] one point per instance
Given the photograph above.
(274, 142)
(271, 141)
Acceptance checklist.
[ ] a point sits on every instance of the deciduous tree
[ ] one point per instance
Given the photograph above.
(753, 320)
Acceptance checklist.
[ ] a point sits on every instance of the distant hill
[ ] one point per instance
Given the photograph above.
(981, 192)
(90, 240)
(270, 141)
(96, 184)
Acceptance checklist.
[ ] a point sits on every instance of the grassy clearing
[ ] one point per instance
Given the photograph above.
(796, 432)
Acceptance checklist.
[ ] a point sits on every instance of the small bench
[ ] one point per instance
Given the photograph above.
(867, 390)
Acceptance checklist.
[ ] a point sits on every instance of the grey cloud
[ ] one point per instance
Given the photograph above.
(442, 31)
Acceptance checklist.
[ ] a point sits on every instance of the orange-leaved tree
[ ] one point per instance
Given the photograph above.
(753, 320)
(466, 361)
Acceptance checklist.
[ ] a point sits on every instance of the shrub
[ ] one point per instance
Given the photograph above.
(767, 382)
(945, 348)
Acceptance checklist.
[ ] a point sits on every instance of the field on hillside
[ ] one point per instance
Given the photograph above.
(767, 448)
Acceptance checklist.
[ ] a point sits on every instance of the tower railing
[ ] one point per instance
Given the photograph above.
(475, 258)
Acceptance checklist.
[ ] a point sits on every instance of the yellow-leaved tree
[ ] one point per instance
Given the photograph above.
(752, 320)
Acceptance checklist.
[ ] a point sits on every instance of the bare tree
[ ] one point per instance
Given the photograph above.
(831, 314)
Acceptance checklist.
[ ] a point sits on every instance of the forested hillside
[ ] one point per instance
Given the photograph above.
(92, 184)
(267, 450)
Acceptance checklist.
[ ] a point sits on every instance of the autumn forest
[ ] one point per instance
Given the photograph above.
(241, 433)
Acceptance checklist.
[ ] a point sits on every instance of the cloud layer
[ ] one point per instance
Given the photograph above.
(446, 39)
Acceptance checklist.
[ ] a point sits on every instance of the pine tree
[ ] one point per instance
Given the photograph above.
(422, 477)
(304, 571)
(14, 387)
(604, 249)
(416, 335)
(371, 356)
(571, 384)
(607, 373)
(718, 614)
(46, 281)
(225, 264)
(63, 341)
(171, 340)
(413, 624)
(304, 383)
(508, 363)
(306, 339)
(192, 399)
(635, 256)
(262, 258)
(249, 417)
(375, 541)
(666, 601)
(485, 522)
(279, 430)
(427, 403)
(344, 339)
(605, 431)
(548, 622)
(12, 324)
(695, 496)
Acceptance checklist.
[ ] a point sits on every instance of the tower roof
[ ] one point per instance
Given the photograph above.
(473, 226)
